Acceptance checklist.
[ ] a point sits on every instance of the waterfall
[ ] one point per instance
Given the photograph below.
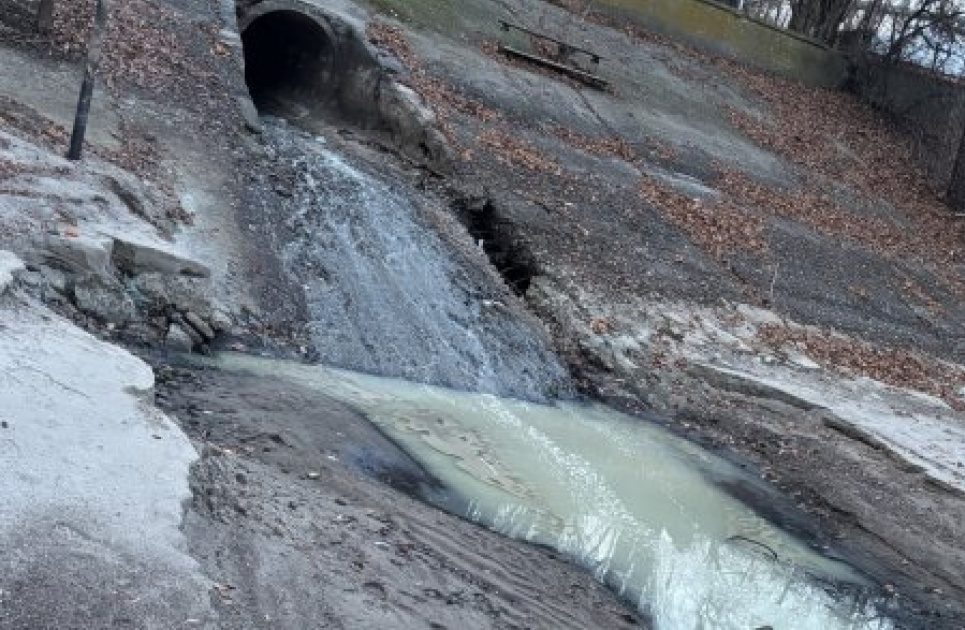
(386, 295)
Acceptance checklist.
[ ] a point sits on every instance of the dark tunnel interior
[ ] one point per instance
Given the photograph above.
(287, 57)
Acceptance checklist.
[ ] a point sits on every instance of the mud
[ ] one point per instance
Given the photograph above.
(291, 522)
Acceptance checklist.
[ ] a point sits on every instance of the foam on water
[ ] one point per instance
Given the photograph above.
(642, 509)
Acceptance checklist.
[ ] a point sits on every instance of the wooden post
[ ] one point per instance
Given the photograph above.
(45, 16)
(95, 47)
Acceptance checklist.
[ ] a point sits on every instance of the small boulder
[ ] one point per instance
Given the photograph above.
(199, 325)
(55, 279)
(142, 334)
(220, 320)
(104, 299)
(134, 257)
(177, 339)
(196, 337)
(74, 254)
(414, 127)
(183, 293)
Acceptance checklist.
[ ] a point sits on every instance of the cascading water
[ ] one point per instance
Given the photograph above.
(385, 295)
(642, 509)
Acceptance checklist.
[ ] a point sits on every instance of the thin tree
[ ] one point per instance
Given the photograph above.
(955, 196)
(45, 16)
(820, 19)
(95, 46)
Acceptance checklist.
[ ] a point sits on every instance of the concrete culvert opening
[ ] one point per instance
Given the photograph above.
(288, 59)
(310, 67)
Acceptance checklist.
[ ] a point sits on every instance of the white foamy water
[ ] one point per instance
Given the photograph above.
(384, 294)
(642, 509)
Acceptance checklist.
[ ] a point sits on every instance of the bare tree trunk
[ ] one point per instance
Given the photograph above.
(95, 47)
(799, 16)
(956, 187)
(820, 19)
(45, 16)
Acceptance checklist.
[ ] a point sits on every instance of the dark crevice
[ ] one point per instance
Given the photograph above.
(507, 253)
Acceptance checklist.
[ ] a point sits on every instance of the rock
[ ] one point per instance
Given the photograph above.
(10, 266)
(177, 339)
(131, 193)
(157, 290)
(104, 299)
(79, 255)
(142, 333)
(803, 361)
(99, 500)
(250, 115)
(196, 338)
(391, 64)
(220, 320)
(138, 257)
(230, 38)
(413, 127)
(199, 325)
(55, 279)
(747, 384)
(32, 278)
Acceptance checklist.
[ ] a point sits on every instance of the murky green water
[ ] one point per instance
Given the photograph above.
(642, 509)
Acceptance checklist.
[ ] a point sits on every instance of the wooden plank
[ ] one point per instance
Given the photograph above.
(580, 75)
(594, 57)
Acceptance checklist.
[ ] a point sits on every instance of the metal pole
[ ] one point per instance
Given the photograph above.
(94, 48)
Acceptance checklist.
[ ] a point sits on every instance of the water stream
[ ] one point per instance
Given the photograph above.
(643, 510)
(385, 294)
(646, 512)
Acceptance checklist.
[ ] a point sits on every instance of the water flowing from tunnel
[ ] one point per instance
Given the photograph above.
(385, 295)
(643, 510)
